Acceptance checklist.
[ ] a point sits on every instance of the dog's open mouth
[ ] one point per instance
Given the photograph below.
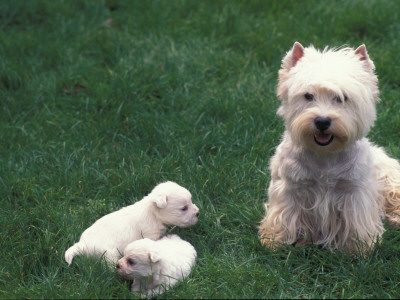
(323, 139)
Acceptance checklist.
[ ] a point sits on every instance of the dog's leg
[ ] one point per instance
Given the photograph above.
(266, 232)
(135, 285)
(280, 224)
(157, 290)
(387, 172)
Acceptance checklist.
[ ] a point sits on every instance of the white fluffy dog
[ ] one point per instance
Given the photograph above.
(329, 185)
(155, 266)
(167, 204)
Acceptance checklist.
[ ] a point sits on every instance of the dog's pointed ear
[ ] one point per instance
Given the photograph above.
(361, 51)
(154, 257)
(289, 61)
(160, 200)
(297, 53)
(292, 56)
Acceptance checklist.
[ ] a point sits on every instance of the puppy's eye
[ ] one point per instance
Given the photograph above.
(309, 97)
(185, 208)
(131, 262)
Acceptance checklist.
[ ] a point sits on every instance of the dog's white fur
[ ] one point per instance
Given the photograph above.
(329, 185)
(156, 266)
(167, 204)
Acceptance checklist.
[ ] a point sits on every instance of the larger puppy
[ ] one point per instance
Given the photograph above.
(167, 204)
(329, 185)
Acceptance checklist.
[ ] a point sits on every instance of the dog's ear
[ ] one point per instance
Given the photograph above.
(297, 53)
(362, 52)
(160, 200)
(293, 56)
(289, 61)
(154, 257)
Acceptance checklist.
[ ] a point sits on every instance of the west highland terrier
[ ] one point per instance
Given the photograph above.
(329, 185)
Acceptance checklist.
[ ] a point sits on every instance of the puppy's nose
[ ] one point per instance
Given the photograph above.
(118, 266)
(197, 211)
(322, 123)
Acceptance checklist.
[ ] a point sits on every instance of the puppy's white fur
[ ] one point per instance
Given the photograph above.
(329, 184)
(167, 204)
(156, 266)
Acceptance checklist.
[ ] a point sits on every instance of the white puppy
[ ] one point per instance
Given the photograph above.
(167, 204)
(155, 266)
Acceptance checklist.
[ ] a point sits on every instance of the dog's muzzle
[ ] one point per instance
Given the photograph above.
(323, 139)
(322, 124)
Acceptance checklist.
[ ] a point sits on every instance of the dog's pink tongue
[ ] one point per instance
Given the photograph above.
(323, 138)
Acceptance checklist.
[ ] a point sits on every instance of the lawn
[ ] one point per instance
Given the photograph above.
(102, 100)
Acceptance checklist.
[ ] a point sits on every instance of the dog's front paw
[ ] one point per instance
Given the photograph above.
(302, 242)
(270, 243)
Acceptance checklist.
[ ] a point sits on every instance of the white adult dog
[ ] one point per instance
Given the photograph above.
(329, 185)
(167, 204)
(156, 266)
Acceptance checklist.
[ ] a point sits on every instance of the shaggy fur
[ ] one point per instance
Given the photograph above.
(167, 204)
(156, 266)
(329, 185)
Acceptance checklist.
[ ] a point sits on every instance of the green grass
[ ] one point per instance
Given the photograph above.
(102, 100)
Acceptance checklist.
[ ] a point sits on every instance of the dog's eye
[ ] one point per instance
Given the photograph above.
(339, 100)
(184, 208)
(309, 97)
(131, 262)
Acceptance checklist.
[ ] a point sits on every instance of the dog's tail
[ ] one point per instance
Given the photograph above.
(387, 172)
(72, 251)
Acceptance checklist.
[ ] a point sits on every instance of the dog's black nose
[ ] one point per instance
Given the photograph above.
(117, 266)
(197, 214)
(322, 123)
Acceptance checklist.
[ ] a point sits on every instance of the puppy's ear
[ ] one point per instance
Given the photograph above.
(160, 200)
(154, 257)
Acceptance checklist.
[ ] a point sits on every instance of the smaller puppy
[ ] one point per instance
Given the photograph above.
(156, 266)
(167, 204)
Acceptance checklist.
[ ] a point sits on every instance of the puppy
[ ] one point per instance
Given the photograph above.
(329, 184)
(156, 266)
(167, 204)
